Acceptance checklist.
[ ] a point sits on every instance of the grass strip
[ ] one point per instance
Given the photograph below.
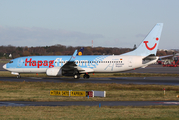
(90, 113)
(40, 91)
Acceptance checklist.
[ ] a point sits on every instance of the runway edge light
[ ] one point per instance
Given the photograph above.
(164, 91)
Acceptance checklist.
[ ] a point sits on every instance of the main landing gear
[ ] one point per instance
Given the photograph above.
(76, 76)
(18, 76)
(86, 76)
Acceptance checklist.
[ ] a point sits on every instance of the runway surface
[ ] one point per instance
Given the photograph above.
(118, 80)
(89, 103)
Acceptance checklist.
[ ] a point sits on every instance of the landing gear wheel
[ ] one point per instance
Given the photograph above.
(18, 76)
(76, 76)
(86, 76)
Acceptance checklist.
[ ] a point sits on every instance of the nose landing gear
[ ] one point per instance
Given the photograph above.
(18, 74)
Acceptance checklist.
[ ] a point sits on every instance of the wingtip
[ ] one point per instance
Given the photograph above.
(160, 24)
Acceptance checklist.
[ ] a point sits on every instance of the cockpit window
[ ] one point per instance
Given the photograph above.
(11, 62)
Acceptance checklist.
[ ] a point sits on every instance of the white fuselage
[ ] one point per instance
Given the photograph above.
(113, 63)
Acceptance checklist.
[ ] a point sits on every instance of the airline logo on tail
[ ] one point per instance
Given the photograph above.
(80, 52)
(151, 47)
(150, 43)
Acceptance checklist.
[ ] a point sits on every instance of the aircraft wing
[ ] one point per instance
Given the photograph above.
(71, 65)
(72, 59)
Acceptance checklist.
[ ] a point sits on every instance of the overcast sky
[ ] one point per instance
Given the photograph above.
(109, 23)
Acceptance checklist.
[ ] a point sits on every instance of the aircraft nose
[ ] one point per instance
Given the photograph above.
(4, 66)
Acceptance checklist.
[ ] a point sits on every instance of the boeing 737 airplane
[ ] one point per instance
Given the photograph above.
(75, 65)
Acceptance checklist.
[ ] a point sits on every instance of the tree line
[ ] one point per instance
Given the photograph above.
(6, 51)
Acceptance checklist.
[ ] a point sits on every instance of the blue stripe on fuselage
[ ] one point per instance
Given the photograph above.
(54, 61)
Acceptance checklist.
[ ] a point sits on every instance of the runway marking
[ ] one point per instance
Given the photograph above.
(10, 104)
(35, 78)
(173, 103)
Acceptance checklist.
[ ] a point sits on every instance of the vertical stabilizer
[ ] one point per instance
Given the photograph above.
(150, 44)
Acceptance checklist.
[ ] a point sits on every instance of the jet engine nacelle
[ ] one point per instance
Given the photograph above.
(56, 71)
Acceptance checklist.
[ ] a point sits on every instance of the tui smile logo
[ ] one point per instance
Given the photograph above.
(151, 47)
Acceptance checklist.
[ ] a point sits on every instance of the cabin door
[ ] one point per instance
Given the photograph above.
(19, 62)
(130, 62)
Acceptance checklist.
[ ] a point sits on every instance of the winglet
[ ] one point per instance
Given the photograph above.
(73, 56)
